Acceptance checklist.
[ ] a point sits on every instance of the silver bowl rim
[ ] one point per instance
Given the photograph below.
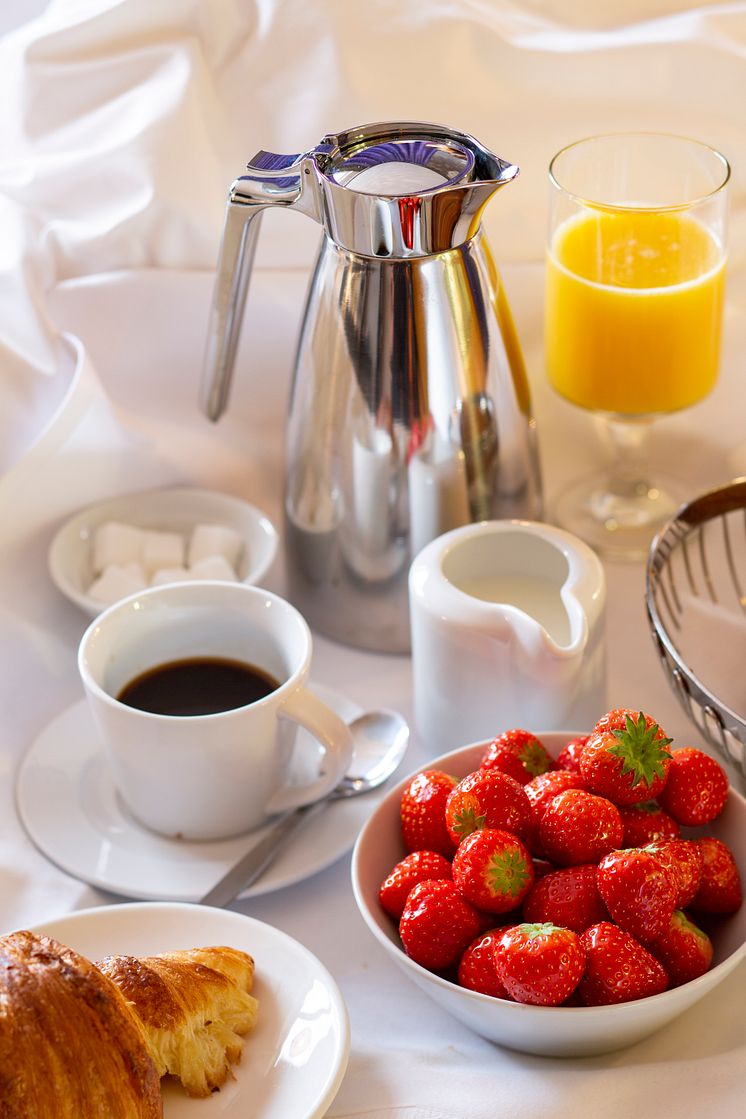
(690, 515)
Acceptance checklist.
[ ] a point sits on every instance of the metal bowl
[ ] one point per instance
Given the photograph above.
(696, 604)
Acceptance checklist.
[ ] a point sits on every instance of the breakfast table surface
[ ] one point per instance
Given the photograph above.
(132, 338)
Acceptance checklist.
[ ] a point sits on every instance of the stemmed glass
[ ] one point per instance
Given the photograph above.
(634, 297)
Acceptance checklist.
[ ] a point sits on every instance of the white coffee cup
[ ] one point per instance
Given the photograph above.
(507, 622)
(209, 776)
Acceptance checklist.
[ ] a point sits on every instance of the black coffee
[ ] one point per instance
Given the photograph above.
(197, 686)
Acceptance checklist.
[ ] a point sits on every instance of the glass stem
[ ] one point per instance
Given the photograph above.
(628, 441)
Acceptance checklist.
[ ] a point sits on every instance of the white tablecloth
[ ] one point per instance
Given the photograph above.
(129, 419)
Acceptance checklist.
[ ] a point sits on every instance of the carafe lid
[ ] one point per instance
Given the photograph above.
(400, 167)
(404, 189)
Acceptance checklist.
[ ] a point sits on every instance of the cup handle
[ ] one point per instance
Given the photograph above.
(308, 711)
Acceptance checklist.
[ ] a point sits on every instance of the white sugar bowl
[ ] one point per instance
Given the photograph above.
(507, 622)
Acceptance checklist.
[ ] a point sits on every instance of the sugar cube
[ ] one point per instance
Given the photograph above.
(115, 544)
(213, 567)
(169, 575)
(162, 549)
(214, 540)
(116, 581)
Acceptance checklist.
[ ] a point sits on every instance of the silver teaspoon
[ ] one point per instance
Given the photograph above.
(380, 740)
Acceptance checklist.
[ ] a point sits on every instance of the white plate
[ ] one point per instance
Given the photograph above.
(174, 509)
(294, 1059)
(67, 802)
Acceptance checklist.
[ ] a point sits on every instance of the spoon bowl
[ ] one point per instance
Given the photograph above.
(380, 741)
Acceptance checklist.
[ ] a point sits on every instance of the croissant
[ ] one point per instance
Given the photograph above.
(195, 1008)
(70, 1047)
(86, 1041)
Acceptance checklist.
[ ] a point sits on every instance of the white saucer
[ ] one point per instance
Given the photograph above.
(294, 1059)
(66, 800)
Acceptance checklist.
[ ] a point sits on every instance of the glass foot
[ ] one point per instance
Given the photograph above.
(617, 518)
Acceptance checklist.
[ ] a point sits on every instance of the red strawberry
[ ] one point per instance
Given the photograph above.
(578, 827)
(416, 867)
(540, 790)
(626, 757)
(493, 870)
(437, 924)
(477, 969)
(487, 799)
(646, 823)
(696, 789)
(539, 964)
(518, 753)
(569, 755)
(719, 889)
(639, 893)
(567, 897)
(618, 968)
(423, 804)
(682, 859)
(684, 950)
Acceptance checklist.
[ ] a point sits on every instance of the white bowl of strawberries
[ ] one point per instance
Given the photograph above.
(560, 894)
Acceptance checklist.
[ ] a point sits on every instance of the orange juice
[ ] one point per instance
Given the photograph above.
(633, 311)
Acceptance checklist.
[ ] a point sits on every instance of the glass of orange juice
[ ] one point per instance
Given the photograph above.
(634, 300)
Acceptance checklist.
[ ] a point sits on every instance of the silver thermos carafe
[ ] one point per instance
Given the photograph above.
(409, 409)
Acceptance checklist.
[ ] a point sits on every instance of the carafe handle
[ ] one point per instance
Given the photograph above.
(272, 180)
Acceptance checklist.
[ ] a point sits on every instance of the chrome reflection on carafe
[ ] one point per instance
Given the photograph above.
(409, 410)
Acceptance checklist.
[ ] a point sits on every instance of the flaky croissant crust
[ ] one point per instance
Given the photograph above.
(195, 1006)
(85, 1041)
(70, 1047)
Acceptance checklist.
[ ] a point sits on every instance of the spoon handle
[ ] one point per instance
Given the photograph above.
(252, 865)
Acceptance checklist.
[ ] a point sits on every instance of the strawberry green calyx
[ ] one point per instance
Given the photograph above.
(533, 757)
(641, 750)
(469, 817)
(493, 870)
(626, 758)
(507, 874)
(533, 930)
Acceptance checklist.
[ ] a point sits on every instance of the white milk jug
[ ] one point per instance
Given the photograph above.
(507, 621)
